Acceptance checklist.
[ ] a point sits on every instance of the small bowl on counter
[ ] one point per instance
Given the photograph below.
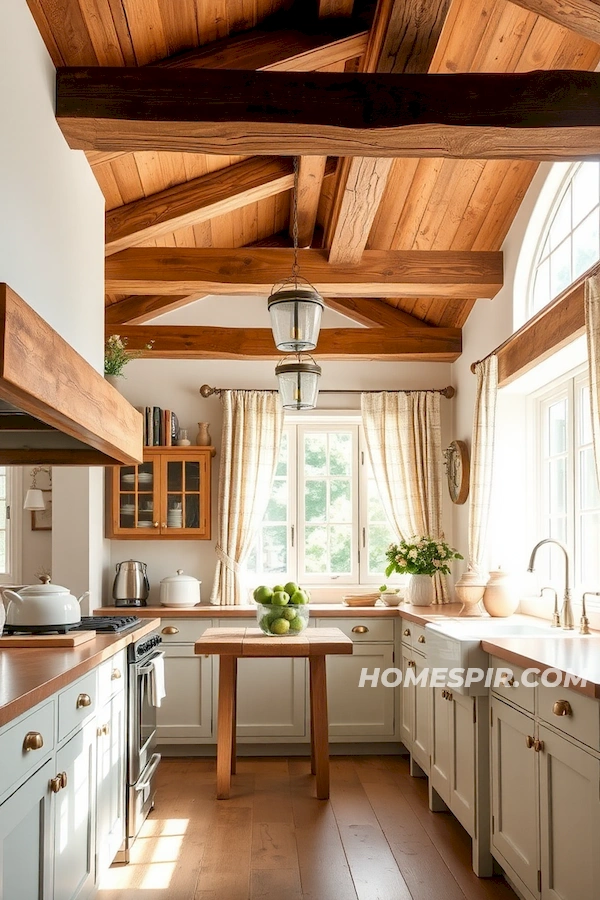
(392, 598)
(360, 599)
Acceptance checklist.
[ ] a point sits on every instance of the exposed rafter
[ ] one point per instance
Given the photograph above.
(580, 16)
(374, 313)
(403, 39)
(202, 342)
(393, 273)
(138, 310)
(537, 115)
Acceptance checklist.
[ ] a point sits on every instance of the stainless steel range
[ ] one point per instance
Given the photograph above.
(142, 760)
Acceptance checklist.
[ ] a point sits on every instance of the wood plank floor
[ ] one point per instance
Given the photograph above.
(273, 840)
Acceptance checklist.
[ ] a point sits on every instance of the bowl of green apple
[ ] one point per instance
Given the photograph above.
(282, 611)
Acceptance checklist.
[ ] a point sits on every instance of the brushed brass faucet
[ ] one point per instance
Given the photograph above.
(555, 614)
(567, 612)
(584, 624)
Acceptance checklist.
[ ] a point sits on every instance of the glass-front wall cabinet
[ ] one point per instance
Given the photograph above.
(166, 496)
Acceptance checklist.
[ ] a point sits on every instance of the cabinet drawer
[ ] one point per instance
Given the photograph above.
(517, 692)
(570, 712)
(76, 703)
(183, 631)
(413, 635)
(376, 629)
(16, 760)
(112, 674)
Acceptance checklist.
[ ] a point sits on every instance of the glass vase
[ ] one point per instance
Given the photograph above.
(282, 621)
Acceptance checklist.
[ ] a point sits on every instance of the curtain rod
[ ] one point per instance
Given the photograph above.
(207, 391)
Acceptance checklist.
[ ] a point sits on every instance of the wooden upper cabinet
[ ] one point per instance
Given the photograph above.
(166, 496)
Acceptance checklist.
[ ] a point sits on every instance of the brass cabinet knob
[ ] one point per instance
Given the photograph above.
(170, 629)
(529, 742)
(421, 639)
(445, 694)
(562, 708)
(56, 784)
(116, 674)
(33, 741)
(507, 682)
(360, 629)
(155, 524)
(63, 779)
(406, 632)
(164, 525)
(538, 745)
(411, 664)
(106, 728)
(83, 700)
(449, 695)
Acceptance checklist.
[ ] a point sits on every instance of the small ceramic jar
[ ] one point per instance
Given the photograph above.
(469, 590)
(500, 597)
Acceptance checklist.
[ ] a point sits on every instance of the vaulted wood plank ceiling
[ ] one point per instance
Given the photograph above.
(410, 204)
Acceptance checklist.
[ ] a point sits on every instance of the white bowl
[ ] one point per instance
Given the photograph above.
(128, 479)
(391, 598)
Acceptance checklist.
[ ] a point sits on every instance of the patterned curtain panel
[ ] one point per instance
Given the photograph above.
(252, 427)
(592, 325)
(403, 436)
(482, 461)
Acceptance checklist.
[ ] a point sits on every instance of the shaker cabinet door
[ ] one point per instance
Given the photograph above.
(186, 712)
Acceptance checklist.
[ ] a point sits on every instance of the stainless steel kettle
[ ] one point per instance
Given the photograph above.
(131, 587)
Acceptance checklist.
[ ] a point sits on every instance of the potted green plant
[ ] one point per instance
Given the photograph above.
(116, 357)
(422, 558)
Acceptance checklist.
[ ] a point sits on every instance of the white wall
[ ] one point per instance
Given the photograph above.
(174, 384)
(51, 247)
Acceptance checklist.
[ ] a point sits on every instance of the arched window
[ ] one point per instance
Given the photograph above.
(570, 243)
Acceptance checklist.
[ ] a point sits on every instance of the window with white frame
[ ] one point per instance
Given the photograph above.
(9, 526)
(325, 524)
(568, 499)
(570, 243)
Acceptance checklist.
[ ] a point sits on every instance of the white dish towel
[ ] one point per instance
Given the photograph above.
(157, 680)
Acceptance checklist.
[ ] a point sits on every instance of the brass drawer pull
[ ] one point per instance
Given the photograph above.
(56, 784)
(83, 700)
(538, 745)
(170, 629)
(562, 708)
(529, 742)
(33, 741)
(63, 779)
(449, 695)
(115, 674)
(406, 632)
(508, 682)
(421, 639)
(411, 664)
(360, 629)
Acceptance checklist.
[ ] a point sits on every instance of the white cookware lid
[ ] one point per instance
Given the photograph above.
(180, 578)
(45, 589)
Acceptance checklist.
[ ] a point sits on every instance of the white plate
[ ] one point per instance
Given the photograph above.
(144, 478)
(128, 510)
(128, 479)
(144, 524)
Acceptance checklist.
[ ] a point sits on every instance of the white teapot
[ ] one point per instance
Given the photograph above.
(43, 607)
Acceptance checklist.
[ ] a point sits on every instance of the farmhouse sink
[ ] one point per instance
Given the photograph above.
(456, 643)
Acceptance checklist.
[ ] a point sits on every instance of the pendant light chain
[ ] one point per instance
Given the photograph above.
(295, 267)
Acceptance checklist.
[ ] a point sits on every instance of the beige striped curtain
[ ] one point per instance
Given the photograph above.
(482, 461)
(251, 436)
(592, 326)
(403, 437)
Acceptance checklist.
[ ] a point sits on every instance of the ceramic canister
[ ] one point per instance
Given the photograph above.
(500, 597)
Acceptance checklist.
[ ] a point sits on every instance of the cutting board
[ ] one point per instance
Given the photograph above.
(72, 639)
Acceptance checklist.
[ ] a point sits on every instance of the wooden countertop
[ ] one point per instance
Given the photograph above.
(575, 654)
(28, 676)
(323, 610)
(252, 642)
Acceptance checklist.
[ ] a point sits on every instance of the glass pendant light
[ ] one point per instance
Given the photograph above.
(298, 382)
(295, 309)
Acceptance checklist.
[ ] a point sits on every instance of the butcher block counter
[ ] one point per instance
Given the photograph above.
(319, 610)
(28, 676)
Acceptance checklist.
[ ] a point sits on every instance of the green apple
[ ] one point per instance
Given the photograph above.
(299, 598)
(263, 594)
(291, 588)
(278, 587)
(280, 626)
(289, 613)
(298, 624)
(280, 598)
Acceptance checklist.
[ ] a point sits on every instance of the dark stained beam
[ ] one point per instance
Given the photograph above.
(537, 115)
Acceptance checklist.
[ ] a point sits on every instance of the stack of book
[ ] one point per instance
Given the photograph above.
(158, 426)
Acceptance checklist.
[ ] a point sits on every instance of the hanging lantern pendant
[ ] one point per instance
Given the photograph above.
(298, 382)
(295, 310)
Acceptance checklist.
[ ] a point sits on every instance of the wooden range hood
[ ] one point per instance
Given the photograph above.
(55, 408)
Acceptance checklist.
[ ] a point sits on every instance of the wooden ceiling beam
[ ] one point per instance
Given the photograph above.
(547, 115)
(203, 342)
(139, 310)
(580, 16)
(403, 39)
(374, 313)
(198, 200)
(381, 273)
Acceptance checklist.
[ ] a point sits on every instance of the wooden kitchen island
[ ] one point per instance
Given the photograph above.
(232, 643)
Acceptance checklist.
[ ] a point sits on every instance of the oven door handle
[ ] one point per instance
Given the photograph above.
(146, 776)
(145, 670)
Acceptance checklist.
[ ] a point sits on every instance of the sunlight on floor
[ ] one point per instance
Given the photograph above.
(153, 857)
